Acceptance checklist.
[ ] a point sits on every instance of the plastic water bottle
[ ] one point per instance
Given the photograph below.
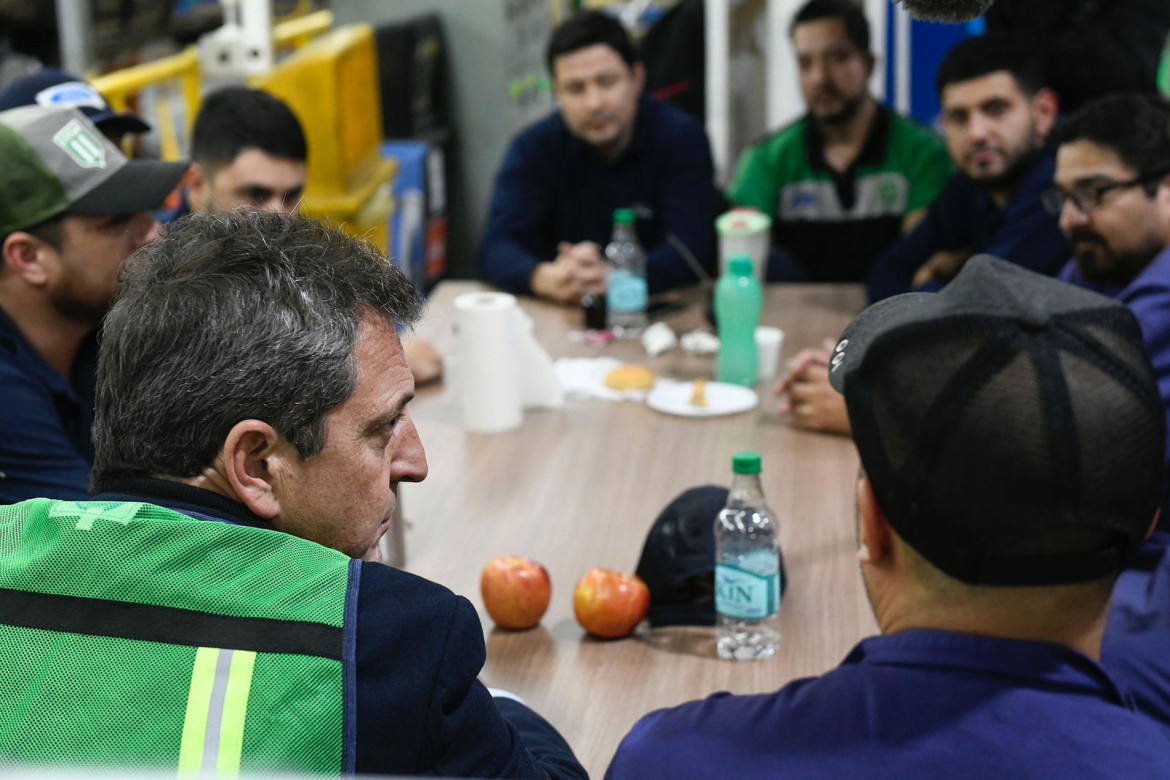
(739, 300)
(747, 568)
(625, 299)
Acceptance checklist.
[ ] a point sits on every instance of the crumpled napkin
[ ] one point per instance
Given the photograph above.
(585, 378)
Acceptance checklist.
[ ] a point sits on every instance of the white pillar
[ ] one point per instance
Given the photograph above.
(73, 35)
(718, 46)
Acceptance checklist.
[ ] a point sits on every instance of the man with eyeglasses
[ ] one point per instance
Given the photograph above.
(1112, 194)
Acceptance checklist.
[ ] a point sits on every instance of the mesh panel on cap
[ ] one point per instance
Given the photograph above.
(996, 440)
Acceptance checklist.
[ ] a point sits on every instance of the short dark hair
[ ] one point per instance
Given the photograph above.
(1008, 51)
(856, 25)
(590, 28)
(228, 317)
(51, 231)
(1136, 127)
(237, 118)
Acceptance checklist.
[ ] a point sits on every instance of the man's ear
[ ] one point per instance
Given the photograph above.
(1046, 110)
(26, 256)
(253, 460)
(198, 183)
(875, 539)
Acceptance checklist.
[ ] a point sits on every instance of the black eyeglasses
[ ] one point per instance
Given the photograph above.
(1087, 197)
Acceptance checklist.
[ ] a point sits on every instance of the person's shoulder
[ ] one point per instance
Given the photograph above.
(385, 584)
(907, 132)
(791, 135)
(779, 149)
(670, 117)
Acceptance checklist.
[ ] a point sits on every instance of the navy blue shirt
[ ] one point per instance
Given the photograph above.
(553, 187)
(420, 707)
(966, 217)
(913, 704)
(46, 422)
(1136, 650)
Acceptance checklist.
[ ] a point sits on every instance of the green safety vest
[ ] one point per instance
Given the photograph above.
(132, 635)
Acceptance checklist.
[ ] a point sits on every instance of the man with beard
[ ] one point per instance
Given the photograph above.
(1112, 192)
(849, 178)
(607, 147)
(72, 208)
(996, 116)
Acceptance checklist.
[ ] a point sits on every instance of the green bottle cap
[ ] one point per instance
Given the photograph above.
(745, 462)
(740, 265)
(624, 216)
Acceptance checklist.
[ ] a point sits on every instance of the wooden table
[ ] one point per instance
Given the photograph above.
(579, 487)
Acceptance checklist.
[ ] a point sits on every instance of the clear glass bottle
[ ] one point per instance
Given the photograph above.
(747, 568)
(626, 294)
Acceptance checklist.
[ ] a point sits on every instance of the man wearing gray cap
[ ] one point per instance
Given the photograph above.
(1011, 440)
(72, 208)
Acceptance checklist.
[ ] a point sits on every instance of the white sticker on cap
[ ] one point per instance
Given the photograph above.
(71, 94)
(838, 354)
(81, 145)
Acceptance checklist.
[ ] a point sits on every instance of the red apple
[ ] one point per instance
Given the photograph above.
(610, 604)
(515, 591)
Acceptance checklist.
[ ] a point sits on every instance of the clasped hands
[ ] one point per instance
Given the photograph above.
(577, 271)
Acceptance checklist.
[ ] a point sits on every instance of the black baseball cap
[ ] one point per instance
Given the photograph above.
(678, 559)
(50, 87)
(1010, 424)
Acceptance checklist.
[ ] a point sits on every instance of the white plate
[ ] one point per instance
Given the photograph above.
(674, 397)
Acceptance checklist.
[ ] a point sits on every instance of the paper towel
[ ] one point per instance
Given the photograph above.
(489, 363)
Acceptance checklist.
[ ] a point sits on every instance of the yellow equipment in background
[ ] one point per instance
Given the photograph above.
(330, 82)
(332, 87)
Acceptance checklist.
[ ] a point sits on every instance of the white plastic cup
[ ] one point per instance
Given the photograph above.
(745, 231)
(768, 341)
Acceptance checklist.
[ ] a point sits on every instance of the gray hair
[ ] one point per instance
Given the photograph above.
(228, 317)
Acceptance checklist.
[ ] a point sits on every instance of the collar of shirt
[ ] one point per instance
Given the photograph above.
(873, 152)
(1040, 663)
(13, 341)
(180, 497)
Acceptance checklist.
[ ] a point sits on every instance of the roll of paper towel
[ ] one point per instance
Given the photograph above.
(489, 366)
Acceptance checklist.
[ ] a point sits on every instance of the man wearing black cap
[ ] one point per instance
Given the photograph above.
(1010, 432)
(56, 88)
(72, 208)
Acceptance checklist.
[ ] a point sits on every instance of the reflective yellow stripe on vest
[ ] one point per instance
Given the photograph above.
(213, 727)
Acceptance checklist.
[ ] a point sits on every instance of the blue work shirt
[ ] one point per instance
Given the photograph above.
(917, 703)
(1136, 650)
(966, 217)
(46, 422)
(1148, 297)
(553, 187)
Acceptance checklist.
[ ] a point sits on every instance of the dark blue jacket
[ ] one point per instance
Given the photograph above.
(966, 217)
(46, 422)
(420, 707)
(913, 704)
(552, 187)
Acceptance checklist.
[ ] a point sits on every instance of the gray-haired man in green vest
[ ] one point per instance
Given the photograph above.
(218, 607)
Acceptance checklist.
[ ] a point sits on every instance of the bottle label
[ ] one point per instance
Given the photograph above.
(627, 292)
(747, 594)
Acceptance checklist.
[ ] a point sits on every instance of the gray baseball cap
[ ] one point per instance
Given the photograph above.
(55, 161)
